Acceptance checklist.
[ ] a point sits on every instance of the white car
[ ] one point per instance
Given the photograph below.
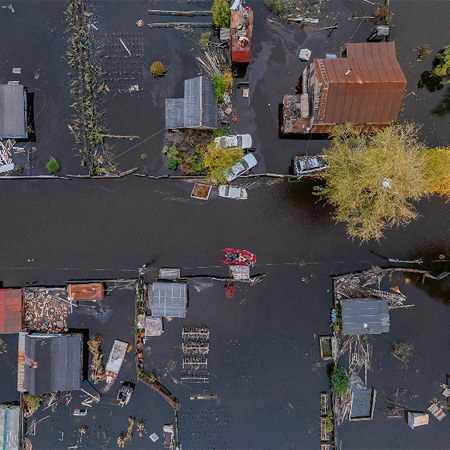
(238, 140)
(233, 192)
(242, 166)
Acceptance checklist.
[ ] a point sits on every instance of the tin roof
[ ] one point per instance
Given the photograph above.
(59, 363)
(366, 87)
(86, 291)
(198, 108)
(12, 111)
(169, 299)
(365, 316)
(10, 311)
(9, 427)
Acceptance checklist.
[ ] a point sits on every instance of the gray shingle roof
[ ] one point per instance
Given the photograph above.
(59, 363)
(198, 108)
(365, 316)
(169, 299)
(361, 406)
(12, 111)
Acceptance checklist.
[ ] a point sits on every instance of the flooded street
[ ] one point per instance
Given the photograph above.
(264, 361)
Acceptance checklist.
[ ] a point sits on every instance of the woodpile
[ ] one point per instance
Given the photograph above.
(214, 61)
(46, 309)
(125, 437)
(97, 366)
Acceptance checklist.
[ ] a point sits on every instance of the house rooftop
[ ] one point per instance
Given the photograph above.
(365, 316)
(52, 362)
(197, 109)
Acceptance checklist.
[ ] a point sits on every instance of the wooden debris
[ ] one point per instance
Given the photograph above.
(97, 366)
(162, 12)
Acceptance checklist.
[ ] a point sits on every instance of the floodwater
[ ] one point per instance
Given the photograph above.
(264, 352)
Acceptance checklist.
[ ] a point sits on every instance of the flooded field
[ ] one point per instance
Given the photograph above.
(264, 360)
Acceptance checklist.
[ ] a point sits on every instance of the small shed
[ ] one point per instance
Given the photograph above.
(169, 299)
(13, 111)
(153, 326)
(363, 403)
(86, 292)
(417, 419)
(365, 316)
(52, 362)
(197, 109)
(9, 427)
(10, 311)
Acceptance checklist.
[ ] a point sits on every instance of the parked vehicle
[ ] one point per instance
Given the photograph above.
(125, 392)
(115, 360)
(234, 192)
(80, 412)
(242, 166)
(309, 164)
(237, 140)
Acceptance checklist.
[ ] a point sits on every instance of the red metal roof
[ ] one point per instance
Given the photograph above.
(86, 291)
(365, 88)
(10, 311)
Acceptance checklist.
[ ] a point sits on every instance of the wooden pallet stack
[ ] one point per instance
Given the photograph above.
(195, 348)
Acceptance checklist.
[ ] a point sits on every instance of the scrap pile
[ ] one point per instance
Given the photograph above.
(124, 437)
(367, 284)
(195, 350)
(46, 309)
(97, 366)
(359, 354)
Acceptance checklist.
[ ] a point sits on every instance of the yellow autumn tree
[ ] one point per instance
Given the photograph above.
(218, 160)
(374, 178)
(437, 171)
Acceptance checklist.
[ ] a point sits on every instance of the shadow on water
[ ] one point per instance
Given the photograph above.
(443, 106)
(429, 81)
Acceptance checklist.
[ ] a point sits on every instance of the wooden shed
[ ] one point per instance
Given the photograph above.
(86, 292)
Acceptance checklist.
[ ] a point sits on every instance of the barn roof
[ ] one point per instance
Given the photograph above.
(10, 311)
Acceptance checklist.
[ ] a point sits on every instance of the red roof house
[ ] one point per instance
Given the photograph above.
(365, 89)
(10, 311)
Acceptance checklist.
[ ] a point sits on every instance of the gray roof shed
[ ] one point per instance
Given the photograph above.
(169, 299)
(9, 427)
(59, 363)
(198, 108)
(13, 123)
(365, 316)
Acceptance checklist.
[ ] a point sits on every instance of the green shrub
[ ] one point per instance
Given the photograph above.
(219, 133)
(219, 85)
(172, 163)
(340, 382)
(442, 69)
(158, 69)
(53, 166)
(204, 39)
(144, 156)
(221, 13)
(276, 6)
(173, 157)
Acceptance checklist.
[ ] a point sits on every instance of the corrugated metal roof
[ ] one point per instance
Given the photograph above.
(12, 111)
(361, 406)
(367, 87)
(198, 108)
(169, 299)
(10, 311)
(59, 363)
(86, 291)
(174, 113)
(365, 316)
(9, 427)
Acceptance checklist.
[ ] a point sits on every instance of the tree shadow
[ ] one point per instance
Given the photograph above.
(429, 81)
(443, 106)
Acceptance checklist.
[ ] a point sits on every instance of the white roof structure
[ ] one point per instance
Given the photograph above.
(169, 299)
